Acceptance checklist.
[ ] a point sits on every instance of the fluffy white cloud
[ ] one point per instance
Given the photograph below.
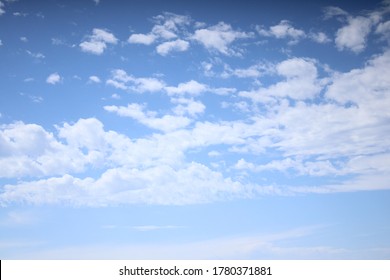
(219, 37)
(121, 80)
(161, 184)
(94, 79)
(283, 30)
(97, 42)
(165, 123)
(319, 37)
(300, 82)
(145, 39)
(192, 87)
(354, 35)
(167, 27)
(53, 79)
(176, 46)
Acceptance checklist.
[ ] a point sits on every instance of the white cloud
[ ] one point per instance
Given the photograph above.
(121, 80)
(219, 38)
(383, 29)
(176, 46)
(283, 30)
(167, 27)
(161, 184)
(145, 39)
(53, 78)
(319, 37)
(188, 106)
(191, 87)
(96, 2)
(333, 11)
(165, 123)
(94, 79)
(354, 35)
(300, 82)
(1, 43)
(35, 55)
(24, 39)
(97, 42)
(2, 11)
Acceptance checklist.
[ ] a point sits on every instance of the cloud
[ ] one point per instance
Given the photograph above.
(219, 38)
(333, 11)
(167, 47)
(96, 2)
(354, 35)
(191, 87)
(36, 55)
(319, 37)
(1, 43)
(161, 185)
(94, 79)
(2, 11)
(121, 80)
(167, 26)
(97, 42)
(165, 123)
(283, 30)
(300, 82)
(24, 39)
(145, 39)
(53, 78)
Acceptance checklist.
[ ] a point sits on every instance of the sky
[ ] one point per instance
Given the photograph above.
(194, 129)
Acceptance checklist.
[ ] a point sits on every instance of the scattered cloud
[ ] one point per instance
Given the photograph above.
(319, 37)
(2, 11)
(191, 87)
(97, 42)
(94, 79)
(172, 46)
(121, 80)
(145, 39)
(283, 30)
(168, 26)
(149, 118)
(353, 36)
(24, 39)
(332, 11)
(219, 38)
(53, 78)
(36, 55)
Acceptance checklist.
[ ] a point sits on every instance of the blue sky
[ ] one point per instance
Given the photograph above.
(194, 130)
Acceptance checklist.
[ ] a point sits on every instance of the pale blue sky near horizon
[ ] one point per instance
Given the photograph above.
(194, 129)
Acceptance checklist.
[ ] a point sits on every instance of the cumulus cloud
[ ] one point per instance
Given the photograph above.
(300, 82)
(283, 30)
(172, 46)
(121, 80)
(168, 26)
(53, 79)
(145, 39)
(149, 118)
(94, 79)
(319, 37)
(219, 38)
(354, 35)
(97, 42)
(191, 87)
